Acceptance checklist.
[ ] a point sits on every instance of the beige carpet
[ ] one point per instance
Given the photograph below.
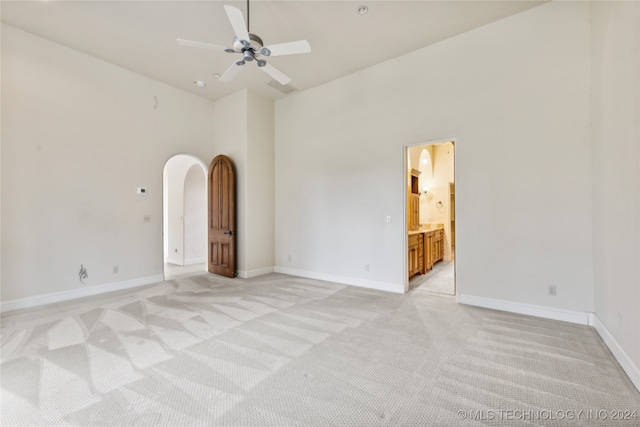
(284, 351)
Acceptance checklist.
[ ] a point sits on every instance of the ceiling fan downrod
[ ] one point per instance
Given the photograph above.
(248, 26)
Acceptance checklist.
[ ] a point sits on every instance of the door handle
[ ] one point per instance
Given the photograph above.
(230, 232)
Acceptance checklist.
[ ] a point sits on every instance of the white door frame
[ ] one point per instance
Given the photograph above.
(405, 208)
(204, 167)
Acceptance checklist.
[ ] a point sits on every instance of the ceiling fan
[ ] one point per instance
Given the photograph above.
(251, 47)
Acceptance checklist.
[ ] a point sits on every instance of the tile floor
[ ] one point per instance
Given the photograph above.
(439, 279)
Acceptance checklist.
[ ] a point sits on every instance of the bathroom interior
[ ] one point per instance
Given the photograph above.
(431, 217)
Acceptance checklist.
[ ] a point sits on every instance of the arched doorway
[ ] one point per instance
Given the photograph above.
(184, 209)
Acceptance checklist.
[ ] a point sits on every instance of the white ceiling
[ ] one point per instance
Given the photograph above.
(141, 35)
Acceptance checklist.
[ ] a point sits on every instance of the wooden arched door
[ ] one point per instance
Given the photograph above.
(222, 217)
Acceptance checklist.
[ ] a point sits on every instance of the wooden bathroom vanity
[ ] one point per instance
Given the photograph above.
(426, 247)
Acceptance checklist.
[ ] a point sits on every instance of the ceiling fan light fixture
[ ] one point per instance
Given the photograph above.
(248, 55)
(254, 43)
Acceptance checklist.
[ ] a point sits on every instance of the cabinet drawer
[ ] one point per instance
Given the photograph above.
(413, 239)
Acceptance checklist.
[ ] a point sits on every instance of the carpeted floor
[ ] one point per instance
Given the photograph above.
(285, 351)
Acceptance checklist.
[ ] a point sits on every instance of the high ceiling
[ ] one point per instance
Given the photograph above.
(141, 35)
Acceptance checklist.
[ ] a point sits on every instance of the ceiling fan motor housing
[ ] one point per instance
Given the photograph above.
(255, 43)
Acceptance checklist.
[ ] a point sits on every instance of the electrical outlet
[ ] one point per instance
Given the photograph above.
(366, 267)
(146, 218)
(115, 269)
(551, 290)
(388, 218)
(289, 257)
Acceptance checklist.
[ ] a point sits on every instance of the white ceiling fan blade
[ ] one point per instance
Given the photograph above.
(199, 44)
(231, 71)
(290, 48)
(237, 22)
(278, 75)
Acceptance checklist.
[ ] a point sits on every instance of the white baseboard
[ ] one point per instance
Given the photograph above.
(194, 261)
(77, 293)
(176, 261)
(621, 356)
(254, 273)
(579, 317)
(363, 283)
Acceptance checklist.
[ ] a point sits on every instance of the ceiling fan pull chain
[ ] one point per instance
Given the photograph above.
(248, 27)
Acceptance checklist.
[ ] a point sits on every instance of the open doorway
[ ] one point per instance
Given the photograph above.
(431, 217)
(184, 208)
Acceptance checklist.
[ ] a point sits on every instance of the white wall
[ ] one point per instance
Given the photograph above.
(244, 132)
(261, 184)
(185, 210)
(515, 94)
(0, 173)
(195, 216)
(176, 169)
(443, 174)
(78, 136)
(616, 164)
